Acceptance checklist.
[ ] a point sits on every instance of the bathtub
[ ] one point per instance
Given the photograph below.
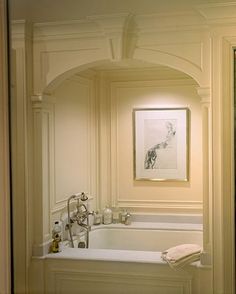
(141, 238)
(138, 242)
(125, 259)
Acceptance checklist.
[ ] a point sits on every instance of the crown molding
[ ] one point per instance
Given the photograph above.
(218, 13)
(20, 30)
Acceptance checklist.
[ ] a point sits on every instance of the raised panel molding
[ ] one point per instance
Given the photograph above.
(62, 30)
(57, 205)
(41, 188)
(89, 282)
(67, 280)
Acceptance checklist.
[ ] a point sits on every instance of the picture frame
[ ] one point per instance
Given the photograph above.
(161, 143)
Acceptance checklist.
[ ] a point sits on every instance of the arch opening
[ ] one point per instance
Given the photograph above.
(126, 64)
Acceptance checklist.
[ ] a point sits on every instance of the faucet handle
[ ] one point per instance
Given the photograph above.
(128, 219)
(83, 197)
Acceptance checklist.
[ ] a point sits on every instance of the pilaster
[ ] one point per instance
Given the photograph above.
(43, 117)
(205, 94)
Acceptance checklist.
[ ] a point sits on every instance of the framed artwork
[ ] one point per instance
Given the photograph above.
(161, 144)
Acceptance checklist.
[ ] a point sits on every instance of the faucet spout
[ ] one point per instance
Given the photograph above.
(81, 216)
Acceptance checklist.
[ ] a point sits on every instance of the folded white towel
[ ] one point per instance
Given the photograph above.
(181, 255)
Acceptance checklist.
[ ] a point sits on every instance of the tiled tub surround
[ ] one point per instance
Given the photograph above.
(127, 259)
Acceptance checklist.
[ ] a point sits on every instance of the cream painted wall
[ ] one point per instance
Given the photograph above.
(75, 128)
(71, 139)
(159, 196)
(74, 135)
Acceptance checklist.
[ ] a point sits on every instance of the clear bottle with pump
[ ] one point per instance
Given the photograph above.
(107, 216)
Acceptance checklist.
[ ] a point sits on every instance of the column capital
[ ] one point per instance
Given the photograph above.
(41, 100)
(205, 94)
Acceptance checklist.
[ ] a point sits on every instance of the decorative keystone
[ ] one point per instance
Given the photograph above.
(116, 28)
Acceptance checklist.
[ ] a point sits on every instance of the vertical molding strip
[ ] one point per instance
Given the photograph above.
(5, 255)
(205, 94)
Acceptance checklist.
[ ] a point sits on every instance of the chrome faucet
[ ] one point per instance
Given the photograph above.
(127, 218)
(81, 216)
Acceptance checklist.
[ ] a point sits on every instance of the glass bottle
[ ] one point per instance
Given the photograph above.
(107, 216)
(116, 215)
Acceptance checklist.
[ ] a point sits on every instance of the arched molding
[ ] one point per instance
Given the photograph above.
(64, 47)
(176, 62)
(47, 92)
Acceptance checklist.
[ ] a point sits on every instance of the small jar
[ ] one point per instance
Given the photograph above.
(116, 215)
(107, 216)
(97, 218)
(123, 216)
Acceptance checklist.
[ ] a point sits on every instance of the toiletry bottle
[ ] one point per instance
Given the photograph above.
(116, 215)
(123, 216)
(56, 236)
(97, 218)
(56, 230)
(107, 216)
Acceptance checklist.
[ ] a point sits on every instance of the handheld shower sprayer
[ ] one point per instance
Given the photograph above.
(70, 220)
(81, 215)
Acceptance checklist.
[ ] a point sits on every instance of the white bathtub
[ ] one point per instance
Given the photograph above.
(137, 237)
(138, 242)
(125, 259)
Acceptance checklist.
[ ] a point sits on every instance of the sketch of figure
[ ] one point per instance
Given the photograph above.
(153, 153)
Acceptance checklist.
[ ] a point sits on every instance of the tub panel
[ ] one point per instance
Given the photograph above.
(116, 278)
(124, 260)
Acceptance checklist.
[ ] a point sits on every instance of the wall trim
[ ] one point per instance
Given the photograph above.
(161, 204)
